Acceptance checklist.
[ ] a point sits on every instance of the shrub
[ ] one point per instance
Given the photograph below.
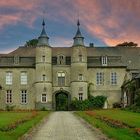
(10, 107)
(91, 103)
(117, 105)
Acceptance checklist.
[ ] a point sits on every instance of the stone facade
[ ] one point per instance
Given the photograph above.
(50, 70)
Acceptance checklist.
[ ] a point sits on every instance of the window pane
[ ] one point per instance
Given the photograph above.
(113, 78)
(24, 96)
(44, 98)
(80, 96)
(9, 96)
(100, 78)
(9, 78)
(23, 78)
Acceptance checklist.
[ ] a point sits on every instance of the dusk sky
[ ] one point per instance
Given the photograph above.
(103, 22)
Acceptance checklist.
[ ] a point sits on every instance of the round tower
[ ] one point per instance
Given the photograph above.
(43, 82)
(79, 67)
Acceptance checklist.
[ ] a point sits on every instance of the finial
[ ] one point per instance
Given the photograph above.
(43, 23)
(78, 23)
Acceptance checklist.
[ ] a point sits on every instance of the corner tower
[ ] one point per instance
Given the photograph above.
(43, 82)
(79, 66)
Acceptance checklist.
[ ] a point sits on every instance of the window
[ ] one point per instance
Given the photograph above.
(23, 78)
(44, 77)
(9, 96)
(100, 78)
(80, 96)
(43, 58)
(61, 60)
(44, 98)
(113, 78)
(80, 77)
(104, 60)
(61, 78)
(80, 58)
(16, 60)
(24, 96)
(8, 78)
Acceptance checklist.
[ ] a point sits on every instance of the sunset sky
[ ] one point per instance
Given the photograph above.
(103, 22)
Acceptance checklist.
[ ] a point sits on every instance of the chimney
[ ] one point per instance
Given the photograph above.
(91, 44)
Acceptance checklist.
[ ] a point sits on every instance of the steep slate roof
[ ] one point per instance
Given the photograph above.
(117, 56)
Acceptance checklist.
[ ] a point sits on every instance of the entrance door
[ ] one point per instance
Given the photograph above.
(61, 101)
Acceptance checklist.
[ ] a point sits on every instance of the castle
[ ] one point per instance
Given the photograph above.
(36, 77)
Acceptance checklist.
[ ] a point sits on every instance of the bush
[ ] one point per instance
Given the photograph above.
(91, 103)
(117, 105)
(10, 107)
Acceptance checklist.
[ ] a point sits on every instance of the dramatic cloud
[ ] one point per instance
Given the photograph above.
(108, 21)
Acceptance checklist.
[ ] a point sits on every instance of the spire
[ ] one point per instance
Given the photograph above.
(78, 39)
(43, 38)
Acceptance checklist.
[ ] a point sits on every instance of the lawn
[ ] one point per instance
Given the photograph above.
(8, 118)
(130, 118)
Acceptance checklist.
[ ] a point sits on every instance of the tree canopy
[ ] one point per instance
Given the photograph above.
(31, 43)
(127, 44)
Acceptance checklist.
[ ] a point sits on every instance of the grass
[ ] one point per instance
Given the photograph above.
(7, 118)
(115, 133)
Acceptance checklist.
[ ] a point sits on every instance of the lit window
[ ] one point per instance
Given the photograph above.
(9, 96)
(24, 96)
(80, 77)
(99, 78)
(104, 60)
(43, 58)
(80, 58)
(9, 78)
(113, 78)
(61, 78)
(23, 78)
(44, 98)
(80, 96)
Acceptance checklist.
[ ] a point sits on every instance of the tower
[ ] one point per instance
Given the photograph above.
(43, 82)
(79, 66)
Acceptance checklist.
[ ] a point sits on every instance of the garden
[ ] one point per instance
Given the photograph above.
(14, 124)
(115, 123)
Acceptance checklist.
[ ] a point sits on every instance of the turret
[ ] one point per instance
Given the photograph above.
(79, 66)
(43, 82)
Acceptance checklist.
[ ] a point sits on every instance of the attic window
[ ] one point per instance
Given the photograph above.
(104, 60)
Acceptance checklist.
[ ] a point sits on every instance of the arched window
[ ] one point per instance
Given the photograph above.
(61, 78)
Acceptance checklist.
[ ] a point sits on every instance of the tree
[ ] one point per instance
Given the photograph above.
(31, 43)
(127, 44)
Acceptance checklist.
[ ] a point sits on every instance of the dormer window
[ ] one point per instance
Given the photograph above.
(104, 60)
(61, 60)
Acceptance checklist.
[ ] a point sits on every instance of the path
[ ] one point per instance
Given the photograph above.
(64, 126)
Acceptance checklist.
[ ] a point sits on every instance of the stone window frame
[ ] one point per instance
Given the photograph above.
(24, 98)
(61, 59)
(113, 78)
(44, 96)
(61, 77)
(23, 78)
(43, 58)
(9, 98)
(9, 78)
(100, 78)
(44, 77)
(104, 60)
(80, 97)
(80, 77)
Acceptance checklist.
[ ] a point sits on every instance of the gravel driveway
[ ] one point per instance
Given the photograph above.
(65, 126)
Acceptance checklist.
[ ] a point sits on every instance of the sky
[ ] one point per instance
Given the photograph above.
(103, 22)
